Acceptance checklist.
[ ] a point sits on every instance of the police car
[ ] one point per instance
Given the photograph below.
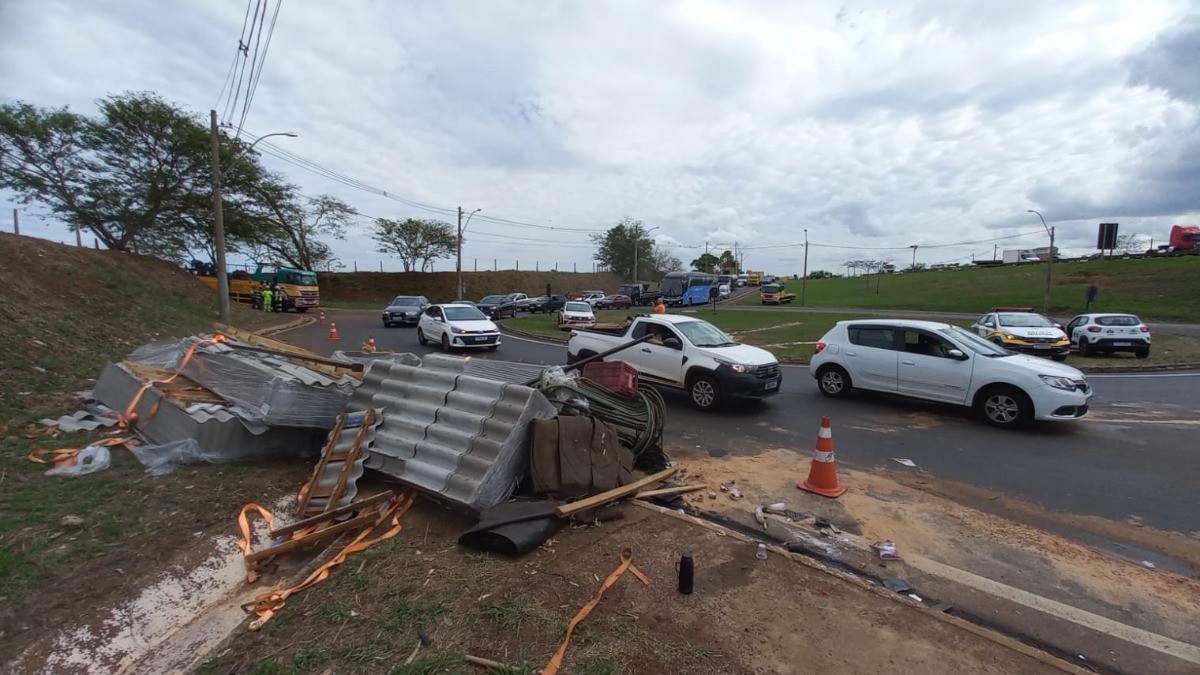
(1108, 333)
(1023, 330)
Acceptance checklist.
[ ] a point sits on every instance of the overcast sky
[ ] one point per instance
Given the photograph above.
(872, 124)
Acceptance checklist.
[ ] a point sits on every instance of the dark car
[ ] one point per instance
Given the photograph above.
(547, 304)
(497, 306)
(405, 310)
(616, 301)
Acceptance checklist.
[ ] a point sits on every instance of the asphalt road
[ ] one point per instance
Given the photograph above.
(1136, 456)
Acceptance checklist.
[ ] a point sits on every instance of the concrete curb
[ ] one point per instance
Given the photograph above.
(791, 361)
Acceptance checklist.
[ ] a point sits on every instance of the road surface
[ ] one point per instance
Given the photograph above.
(1135, 457)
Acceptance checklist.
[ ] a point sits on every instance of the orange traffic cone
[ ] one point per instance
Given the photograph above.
(333, 335)
(822, 476)
(369, 345)
(321, 321)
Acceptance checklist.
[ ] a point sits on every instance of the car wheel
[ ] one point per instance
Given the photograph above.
(833, 381)
(1084, 349)
(421, 338)
(1142, 353)
(386, 324)
(445, 342)
(706, 392)
(1004, 406)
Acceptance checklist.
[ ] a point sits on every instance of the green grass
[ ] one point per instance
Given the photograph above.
(1156, 289)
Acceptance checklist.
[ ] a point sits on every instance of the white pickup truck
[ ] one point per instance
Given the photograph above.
(686, 353)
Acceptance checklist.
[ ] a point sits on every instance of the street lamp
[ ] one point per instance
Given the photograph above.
(1049, 262)
(804, 280)
(638, 232)
(462, 227)
(219, 215)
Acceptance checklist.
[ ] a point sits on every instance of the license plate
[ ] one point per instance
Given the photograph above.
(1041, 346)
(1122, 344)
(481, 338)
(771, 384)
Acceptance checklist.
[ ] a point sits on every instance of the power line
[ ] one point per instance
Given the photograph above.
(256, 75)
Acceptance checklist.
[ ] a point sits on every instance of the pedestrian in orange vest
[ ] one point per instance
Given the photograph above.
(659, 307)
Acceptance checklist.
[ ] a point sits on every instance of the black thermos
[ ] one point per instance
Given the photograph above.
(687, 570)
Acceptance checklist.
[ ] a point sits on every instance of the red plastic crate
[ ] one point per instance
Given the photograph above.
(616, 375)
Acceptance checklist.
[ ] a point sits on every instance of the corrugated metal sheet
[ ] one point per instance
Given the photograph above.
(504, 371)
(219, 432)
(80, 421)
(460, 437)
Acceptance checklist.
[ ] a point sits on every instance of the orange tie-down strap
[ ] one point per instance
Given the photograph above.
(70, 456)
(266, 605)
(129, 416)
(625, 566)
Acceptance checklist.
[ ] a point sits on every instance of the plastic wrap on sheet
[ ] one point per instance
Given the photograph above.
(367, 358)
(261, 387)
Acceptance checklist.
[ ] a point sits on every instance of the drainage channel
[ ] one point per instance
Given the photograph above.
(933, 603)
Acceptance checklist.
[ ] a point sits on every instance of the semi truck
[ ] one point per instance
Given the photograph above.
(1016, 255)
(297, 289)
(1184, 240)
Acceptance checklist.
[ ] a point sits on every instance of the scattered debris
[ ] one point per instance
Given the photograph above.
(1147, 563)
(735, 494)
(712, 494)
(905, 462)
(760, 517)
(887, 550)
(897, 586)
(761, 554)
(71, 521)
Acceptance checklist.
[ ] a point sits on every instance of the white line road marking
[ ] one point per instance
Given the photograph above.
(1115, 376)
(1137, 636)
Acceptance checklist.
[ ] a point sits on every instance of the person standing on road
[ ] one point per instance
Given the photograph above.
(659, 307)
(276, 298)
(268, 299)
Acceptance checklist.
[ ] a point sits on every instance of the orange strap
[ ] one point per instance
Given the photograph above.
(69, 456)
(124, 419)
(246, 540)
(626, 566)
(266, 605)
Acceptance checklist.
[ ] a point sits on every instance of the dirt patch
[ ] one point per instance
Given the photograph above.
(747, 615)
(377, 288)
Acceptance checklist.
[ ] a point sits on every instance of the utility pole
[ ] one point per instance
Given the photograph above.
(461, 228)
(914, 262)
(17, 223)
(804, 280)
(219, 223)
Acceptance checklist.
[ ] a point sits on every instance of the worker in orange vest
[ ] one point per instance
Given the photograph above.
(659, 307)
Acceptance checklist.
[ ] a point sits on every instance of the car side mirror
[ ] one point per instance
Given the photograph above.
(957, 354)
(673, 343)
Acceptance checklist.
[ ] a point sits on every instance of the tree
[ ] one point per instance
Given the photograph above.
(415, 241)
(664, 263)
(1130, 242)
(287, 226)
(707, 262)
(618, 247)
(138, 176)
(728, 264)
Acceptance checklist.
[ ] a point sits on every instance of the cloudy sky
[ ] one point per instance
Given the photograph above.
(875, 125)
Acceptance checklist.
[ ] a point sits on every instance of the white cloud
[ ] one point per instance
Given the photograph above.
(872, 124)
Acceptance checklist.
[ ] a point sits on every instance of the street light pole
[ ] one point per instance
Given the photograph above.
(914, 262)
(1049, 263)
(637, 244)
(462, 227)
(219, 215)
(804, 280)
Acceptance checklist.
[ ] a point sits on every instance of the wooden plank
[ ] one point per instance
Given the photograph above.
(309, 539)
(614, 494)
(350, 458)
(677, 490)
(320, 468)
(360, 505)
(256, 339)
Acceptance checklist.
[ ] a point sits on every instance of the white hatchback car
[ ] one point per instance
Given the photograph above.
(940, 362)
(1108, 333)
(457, 327)
(577, 313)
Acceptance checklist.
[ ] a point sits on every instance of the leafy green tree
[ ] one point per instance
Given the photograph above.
(619, 247)
(728, 264)
(415, 241)
(286, 227)
(707, 262)
(665, 262)
(137, 176)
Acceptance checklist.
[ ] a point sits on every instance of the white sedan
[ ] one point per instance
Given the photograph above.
(940, 362)
(577, 314)
(457, 327)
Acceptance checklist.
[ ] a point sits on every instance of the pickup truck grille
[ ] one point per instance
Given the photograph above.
(768, 371)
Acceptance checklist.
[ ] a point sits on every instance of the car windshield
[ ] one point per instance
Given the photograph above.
(492, 300)
(405, 300)
(578, 307)
(1025, 321)
(966, 338)
(704, 334)
(771, 288)
(305, 279)
(1124, 320)
(463, 313)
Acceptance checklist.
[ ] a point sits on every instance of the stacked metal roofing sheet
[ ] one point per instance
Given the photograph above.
(460, 437)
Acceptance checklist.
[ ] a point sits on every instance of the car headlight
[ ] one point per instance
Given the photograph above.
(735, 367)
(1058, 382)
(456, 329)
